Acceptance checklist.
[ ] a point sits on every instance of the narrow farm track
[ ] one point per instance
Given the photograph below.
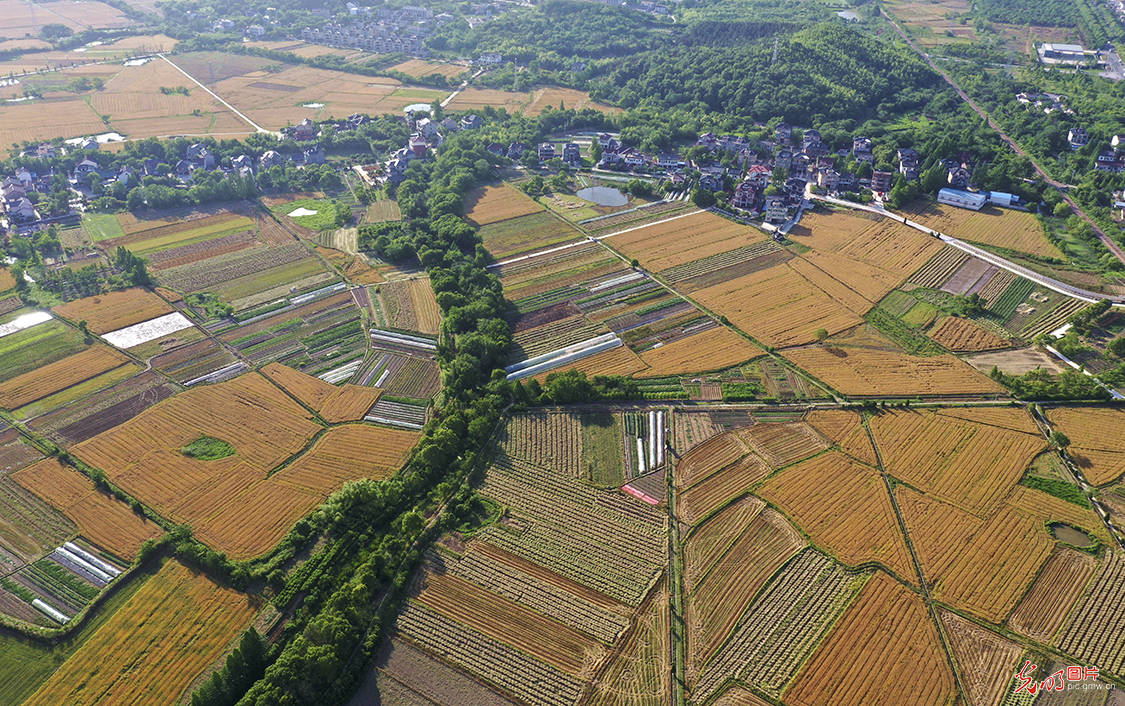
(929, 600)
(1113, 247)
(231, 108)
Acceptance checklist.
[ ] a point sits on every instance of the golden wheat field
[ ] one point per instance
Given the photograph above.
(680, 240)
(155, 645)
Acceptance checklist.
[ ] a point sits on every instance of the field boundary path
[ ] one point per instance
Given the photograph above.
(1042, 280)
(463, 86)
(1113, 247)
(231, 108)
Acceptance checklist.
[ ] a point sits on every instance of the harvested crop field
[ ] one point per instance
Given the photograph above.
(782, 625)
(616, 361)
(349, 404)
(346, 453)
(714, 349)
(683, 239)
(495, 203)
(1093, 631)
(1063, 579)
(868, 255)
(410, 305)
(53, 377)
(100, 518)
(417, 68)
(998, 227)
(1097, 445)
(108, 312)
(844, 506)
(777, 306)
(155, 645)
(641, 673)
(971, 466)
(103, 410)
(870, 372)
(310, 390)
(526, 233)
(531, 103)
(545, 639)
(962, 335)
(986, 659)
(42, 344)
(229, 501)
(727, 561)
(875, 649)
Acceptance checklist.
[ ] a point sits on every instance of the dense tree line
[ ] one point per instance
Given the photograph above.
(1049, 13)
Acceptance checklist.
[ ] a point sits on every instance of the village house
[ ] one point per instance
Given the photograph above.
(909, 163)
(758, 175)
(1077, 138)
(471, 122)
(516, 150)
(776, 209)
(572, 155)
(881, 182)
(783, 133)
(745, 196)
(314, 155)
(546, 152)
(861, 149)
(958, 177)
(304, 130)
(270, 158)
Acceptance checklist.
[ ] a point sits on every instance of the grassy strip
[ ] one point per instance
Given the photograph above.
(1058, 488)
(912, 341)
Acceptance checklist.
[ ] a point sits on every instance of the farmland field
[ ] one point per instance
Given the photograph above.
(531, 103)
(525, 233)
(492, 204)
(210, 493)
(998, 227)
(1097, 446)
(99, 517)
(716, 348)
(680, 240)
(418, 68)
(968, 465)
(53, 377)
(1042, 611)
(155, 645)
(860, 371)
(409, 304)
(108, 312)
(986, 659)
(875, 648)
(777, 306)
(845, 508)
(1092, 632)
(725, 576)
(345, 453)
(32, 348)
(782, 625)
(959, 335)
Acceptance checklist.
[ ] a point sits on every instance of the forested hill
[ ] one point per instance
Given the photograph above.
(559, 29)
(827, 69)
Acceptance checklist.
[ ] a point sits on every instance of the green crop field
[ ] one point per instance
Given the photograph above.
(602, 452)
(37, 346)
(323, 219)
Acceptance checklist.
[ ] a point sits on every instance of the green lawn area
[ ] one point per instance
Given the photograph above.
(102, 226)
(323, 219)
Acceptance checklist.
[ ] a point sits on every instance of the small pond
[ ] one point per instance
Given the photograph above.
(1070, 535)
(603, 195)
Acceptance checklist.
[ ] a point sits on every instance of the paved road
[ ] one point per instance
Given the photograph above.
(1109, 243)
(1118, 300)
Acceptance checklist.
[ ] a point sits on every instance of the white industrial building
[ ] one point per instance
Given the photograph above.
(962, 199)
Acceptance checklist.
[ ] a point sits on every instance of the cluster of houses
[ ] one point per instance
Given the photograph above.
(1046, 102)
(14, 189)
(659, 9)
(1111, 160)
(798, 162)
(385, 31)
(425, 134)
(570, 154)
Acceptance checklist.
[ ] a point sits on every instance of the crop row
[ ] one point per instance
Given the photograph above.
(781, 626)
(714, 263)
(940, 267)
(541, 596)
(553, 440)
(1005, 304)
(491, 660)
(1097, 627)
